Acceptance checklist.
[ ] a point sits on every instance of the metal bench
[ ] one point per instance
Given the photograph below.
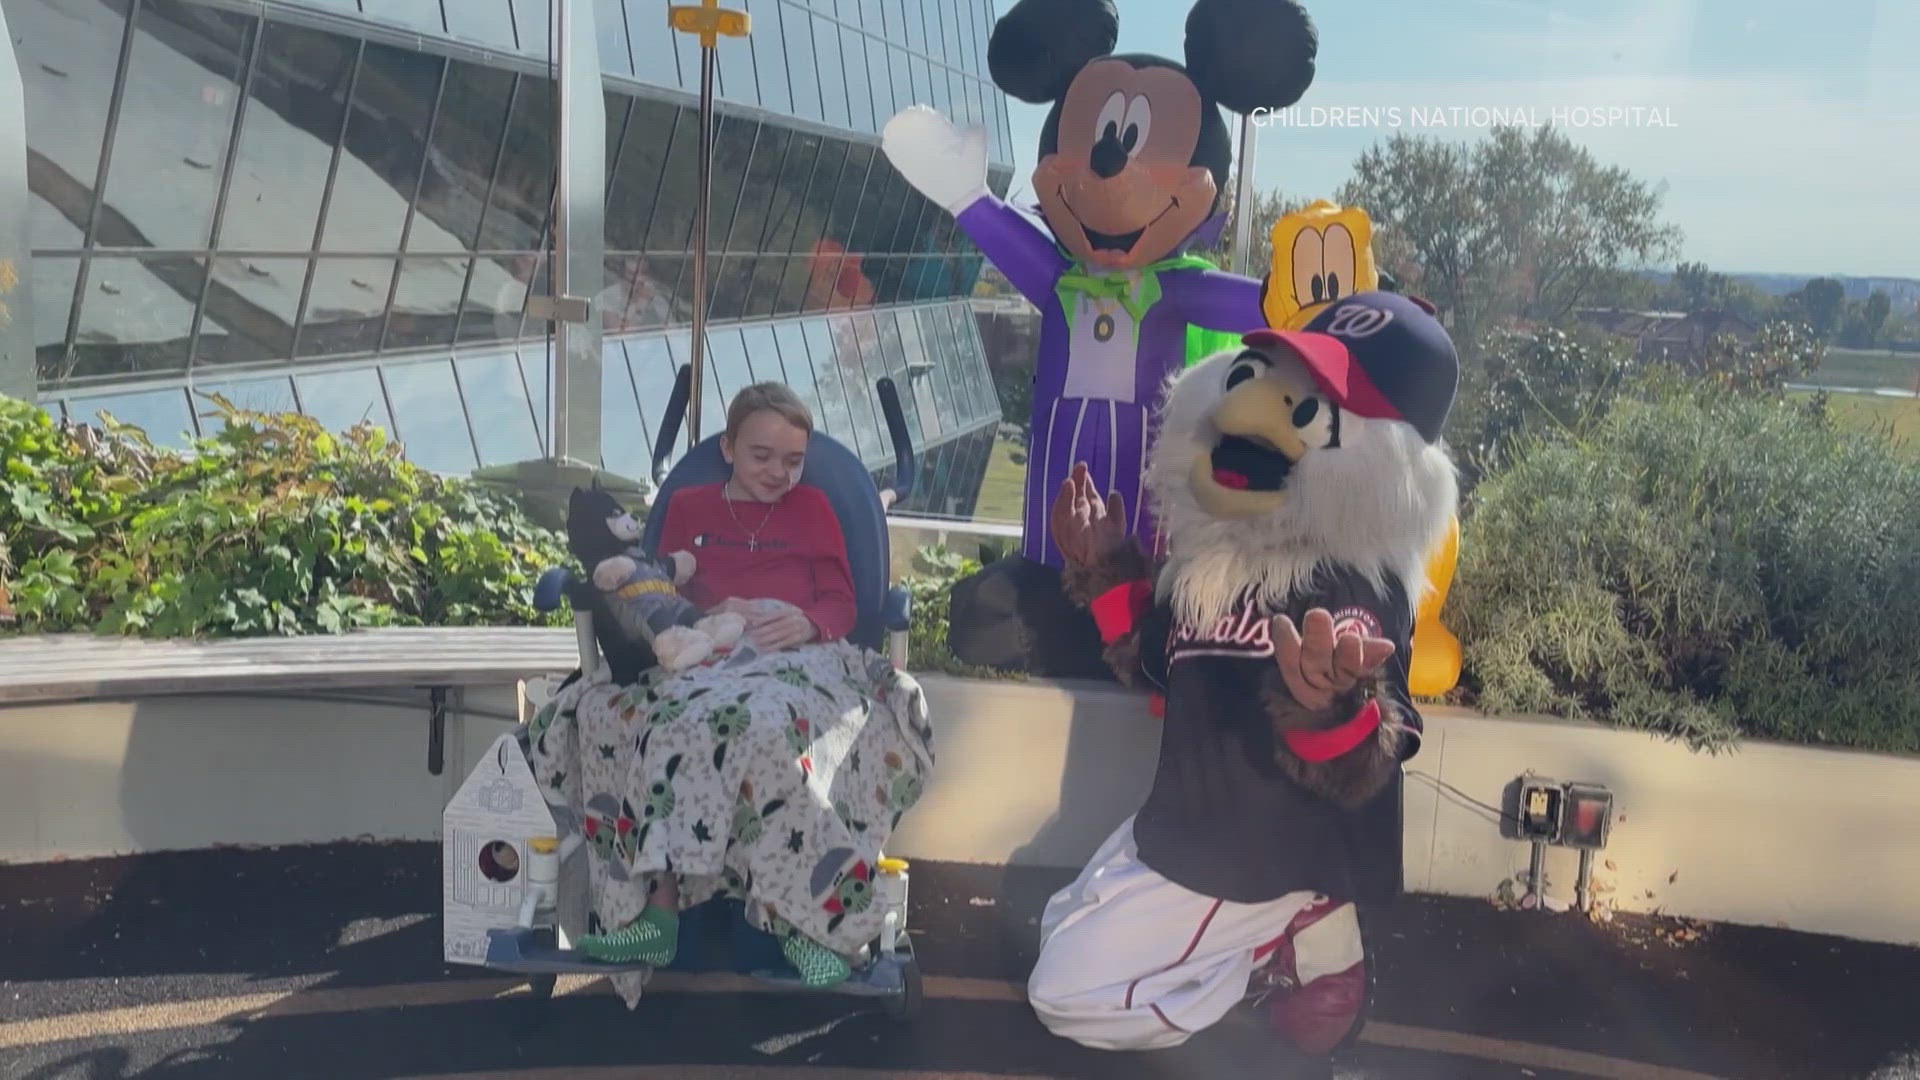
(85, 667)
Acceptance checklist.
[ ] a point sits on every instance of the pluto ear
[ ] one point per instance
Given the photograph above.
(1246, 54)
(1040, 45)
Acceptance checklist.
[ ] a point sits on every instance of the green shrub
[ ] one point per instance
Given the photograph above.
(1547, 379)
(1540, 380)
(1779, 353)
(274, 526)
(1701, 566)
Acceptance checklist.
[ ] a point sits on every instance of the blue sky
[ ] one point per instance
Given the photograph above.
(1794, 144)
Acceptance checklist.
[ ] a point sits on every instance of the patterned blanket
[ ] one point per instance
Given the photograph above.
(775, 778)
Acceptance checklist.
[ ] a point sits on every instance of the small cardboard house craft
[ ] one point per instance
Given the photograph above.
(485, 833)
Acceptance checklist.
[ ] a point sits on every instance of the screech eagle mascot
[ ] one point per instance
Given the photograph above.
(1302, 485)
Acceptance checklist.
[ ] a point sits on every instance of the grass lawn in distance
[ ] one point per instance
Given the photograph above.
(1867, 368)
(1001, 490)
(1879, 415)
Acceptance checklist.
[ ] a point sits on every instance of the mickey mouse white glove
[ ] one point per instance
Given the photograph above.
(947, 165)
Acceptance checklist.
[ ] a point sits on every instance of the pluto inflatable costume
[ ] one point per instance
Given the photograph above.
(1134, 158)
(1302, 486)
(1321, 253)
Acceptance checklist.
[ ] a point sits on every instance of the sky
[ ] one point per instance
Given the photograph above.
(1785, 137)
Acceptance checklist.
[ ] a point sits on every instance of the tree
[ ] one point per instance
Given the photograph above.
(1694, 288)
(1697, 288)
(1524, 223)
(1879, 306)
(1824, 301)
(1577, 220)
(1421, 192)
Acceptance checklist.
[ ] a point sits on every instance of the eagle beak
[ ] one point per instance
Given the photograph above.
(1261, 410)
(1244, 474)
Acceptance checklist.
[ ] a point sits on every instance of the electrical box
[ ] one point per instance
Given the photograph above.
(1539, 809)
(1586, 816)
(1564, 813)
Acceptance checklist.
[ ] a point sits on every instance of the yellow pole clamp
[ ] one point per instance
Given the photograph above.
(709, 20)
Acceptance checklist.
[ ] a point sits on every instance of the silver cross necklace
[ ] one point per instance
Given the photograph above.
(753, 535)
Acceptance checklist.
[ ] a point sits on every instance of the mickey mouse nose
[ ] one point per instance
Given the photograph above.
(1109, 156)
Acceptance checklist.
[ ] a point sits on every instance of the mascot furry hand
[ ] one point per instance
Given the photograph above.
(1301, 485)
(1132, 170)
(640, 589)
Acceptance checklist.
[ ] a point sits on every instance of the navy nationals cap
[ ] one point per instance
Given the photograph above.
(1394, 360)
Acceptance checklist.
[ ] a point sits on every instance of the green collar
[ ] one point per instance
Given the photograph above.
(1136, 290)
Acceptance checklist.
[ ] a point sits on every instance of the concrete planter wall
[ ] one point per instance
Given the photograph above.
(1030, 774)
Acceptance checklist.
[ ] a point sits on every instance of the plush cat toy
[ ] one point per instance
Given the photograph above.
(639, 588)
(1301, 482)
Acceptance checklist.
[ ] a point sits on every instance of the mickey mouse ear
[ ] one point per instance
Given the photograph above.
(1246, 54)
(1040, 45)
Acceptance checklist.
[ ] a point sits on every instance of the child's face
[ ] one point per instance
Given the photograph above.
(767, 455)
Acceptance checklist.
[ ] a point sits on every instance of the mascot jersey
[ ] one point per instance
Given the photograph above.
(1107, 343)
(1222, 819)
(1133, 163)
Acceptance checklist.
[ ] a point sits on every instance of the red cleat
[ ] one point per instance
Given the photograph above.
(1314, 982)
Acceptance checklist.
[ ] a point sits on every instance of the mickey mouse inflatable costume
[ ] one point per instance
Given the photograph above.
(1133, 163)
(1301, 485)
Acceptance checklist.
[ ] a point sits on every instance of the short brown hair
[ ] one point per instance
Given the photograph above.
(767, 395)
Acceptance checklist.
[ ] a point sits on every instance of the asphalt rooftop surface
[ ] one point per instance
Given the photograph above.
(325, 962)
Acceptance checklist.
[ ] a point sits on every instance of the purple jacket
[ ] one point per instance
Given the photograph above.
(1103, 358)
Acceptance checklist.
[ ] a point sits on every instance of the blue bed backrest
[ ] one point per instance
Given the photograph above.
(849, 488)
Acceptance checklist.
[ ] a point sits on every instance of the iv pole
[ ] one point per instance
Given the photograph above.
(709, 21)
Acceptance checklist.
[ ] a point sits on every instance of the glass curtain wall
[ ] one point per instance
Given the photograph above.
(343, 206)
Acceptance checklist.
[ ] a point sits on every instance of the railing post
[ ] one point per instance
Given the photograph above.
(17, 368)
(437, 730)
(579, 213)
(1243, 198)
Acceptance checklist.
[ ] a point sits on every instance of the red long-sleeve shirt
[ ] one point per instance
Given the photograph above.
(798, 555)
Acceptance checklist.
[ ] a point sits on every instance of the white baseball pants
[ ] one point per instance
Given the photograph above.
(1132, 961)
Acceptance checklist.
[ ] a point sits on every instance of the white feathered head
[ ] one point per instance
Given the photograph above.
(1305, 447)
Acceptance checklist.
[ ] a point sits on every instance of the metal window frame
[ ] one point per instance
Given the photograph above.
(486, 209)
(786, 67)
(794, 246)
(824, 324)
(865, 69)
(773, 250)
(413, 205)
(754, 153)
(326, 195)
(446, 358)
(107, 140)
(633, 391)
(763, 244)
(256, 33)
(867, 372)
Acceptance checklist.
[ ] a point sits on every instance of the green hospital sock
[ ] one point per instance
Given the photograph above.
(817, 964)
(652, 939)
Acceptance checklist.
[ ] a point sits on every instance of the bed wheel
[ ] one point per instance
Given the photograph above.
(906, 1006)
